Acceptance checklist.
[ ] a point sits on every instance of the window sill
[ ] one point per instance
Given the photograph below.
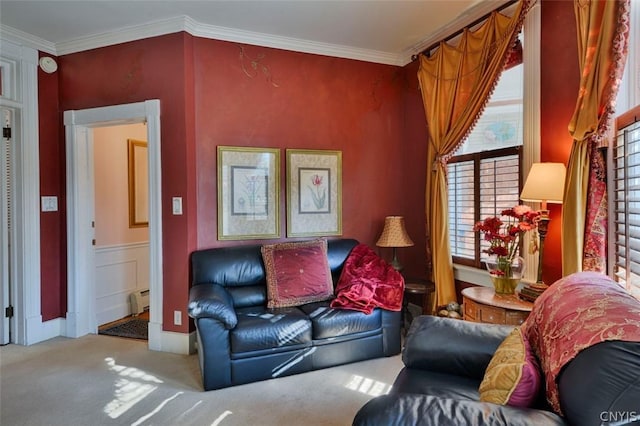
(475, 276)
(471, 275)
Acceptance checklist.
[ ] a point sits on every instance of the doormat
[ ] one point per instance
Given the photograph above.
(133, 329)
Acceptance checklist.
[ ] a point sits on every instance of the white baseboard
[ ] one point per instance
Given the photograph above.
(113, 313)
(169, 341)
(159, 340)
(39, 331)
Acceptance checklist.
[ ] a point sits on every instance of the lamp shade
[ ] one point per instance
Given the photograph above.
(545, 183)
(394, 233)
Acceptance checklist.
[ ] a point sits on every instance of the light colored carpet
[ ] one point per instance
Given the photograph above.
(103, 380)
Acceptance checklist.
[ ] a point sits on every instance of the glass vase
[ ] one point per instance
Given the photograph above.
(505, 274)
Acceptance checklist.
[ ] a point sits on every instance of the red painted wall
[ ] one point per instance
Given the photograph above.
(156, 68)
(301, 101)
(414, 169)
(53, 233)
(559, 84)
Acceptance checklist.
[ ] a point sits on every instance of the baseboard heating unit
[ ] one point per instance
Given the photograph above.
(139, 301)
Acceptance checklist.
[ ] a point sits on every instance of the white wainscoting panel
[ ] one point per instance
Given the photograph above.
(120, 270)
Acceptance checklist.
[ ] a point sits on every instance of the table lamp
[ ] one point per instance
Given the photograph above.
(394, 235)
(545, 184)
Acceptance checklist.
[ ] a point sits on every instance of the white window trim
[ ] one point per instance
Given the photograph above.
(629, 91)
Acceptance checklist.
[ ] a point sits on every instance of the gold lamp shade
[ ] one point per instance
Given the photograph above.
(394, 235)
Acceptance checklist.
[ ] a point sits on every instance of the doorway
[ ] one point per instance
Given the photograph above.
(80, 124)
(121, 241)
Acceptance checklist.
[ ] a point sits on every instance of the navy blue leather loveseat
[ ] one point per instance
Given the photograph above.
(240, 340)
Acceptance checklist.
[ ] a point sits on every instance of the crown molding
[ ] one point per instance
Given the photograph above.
(195, 28)
(287, 43)
(28, 40)
(123, 35)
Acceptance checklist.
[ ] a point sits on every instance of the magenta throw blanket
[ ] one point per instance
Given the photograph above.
(367, 282)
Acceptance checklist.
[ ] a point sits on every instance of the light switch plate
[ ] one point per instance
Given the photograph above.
(49, 204)
(177, 205)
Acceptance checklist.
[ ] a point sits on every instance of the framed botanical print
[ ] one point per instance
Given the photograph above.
(248, 193)
(314, 192)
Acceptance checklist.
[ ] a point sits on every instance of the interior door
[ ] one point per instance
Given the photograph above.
(5, 225)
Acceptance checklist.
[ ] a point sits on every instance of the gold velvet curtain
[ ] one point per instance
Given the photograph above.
(456, 82)
(603, 28)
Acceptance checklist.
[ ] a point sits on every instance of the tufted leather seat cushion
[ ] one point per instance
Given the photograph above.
(260, 328)
(328, 322)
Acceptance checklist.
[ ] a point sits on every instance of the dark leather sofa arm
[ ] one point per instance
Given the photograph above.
(452, 346)
(425, 410)
(212, 301)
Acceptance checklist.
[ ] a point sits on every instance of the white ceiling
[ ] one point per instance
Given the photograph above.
(385, 31)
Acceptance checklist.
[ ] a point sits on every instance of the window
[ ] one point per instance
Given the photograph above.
(624, 171)
(625, 203)
(484, 178)
(480, 185)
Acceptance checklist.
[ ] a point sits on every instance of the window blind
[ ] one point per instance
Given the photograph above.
(499, 187)
(461, 208)
(480, 185)
(626, 207)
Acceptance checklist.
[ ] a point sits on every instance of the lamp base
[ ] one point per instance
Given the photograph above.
(395, 263)
(543, 226)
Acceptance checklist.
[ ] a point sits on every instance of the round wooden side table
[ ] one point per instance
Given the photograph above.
(482, 304)
(419, 287)
(422, 287)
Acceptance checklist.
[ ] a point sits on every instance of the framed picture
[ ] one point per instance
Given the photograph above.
(314, 193)
(248, 193)
(138, 184)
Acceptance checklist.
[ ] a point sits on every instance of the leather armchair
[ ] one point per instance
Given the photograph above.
(445, 361)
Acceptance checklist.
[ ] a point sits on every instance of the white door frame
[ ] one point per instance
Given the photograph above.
(20, 93)
(7, 178)
(81, 315)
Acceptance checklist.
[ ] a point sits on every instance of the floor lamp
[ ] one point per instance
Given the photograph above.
(545, 184)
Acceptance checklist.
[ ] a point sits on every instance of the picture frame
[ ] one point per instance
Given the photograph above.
(314, 192)
(138, 172)
(248, 193)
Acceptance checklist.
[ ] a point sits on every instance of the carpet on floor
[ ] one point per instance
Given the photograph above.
(134, 328)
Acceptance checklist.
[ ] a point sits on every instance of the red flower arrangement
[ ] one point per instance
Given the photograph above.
(504, 236)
